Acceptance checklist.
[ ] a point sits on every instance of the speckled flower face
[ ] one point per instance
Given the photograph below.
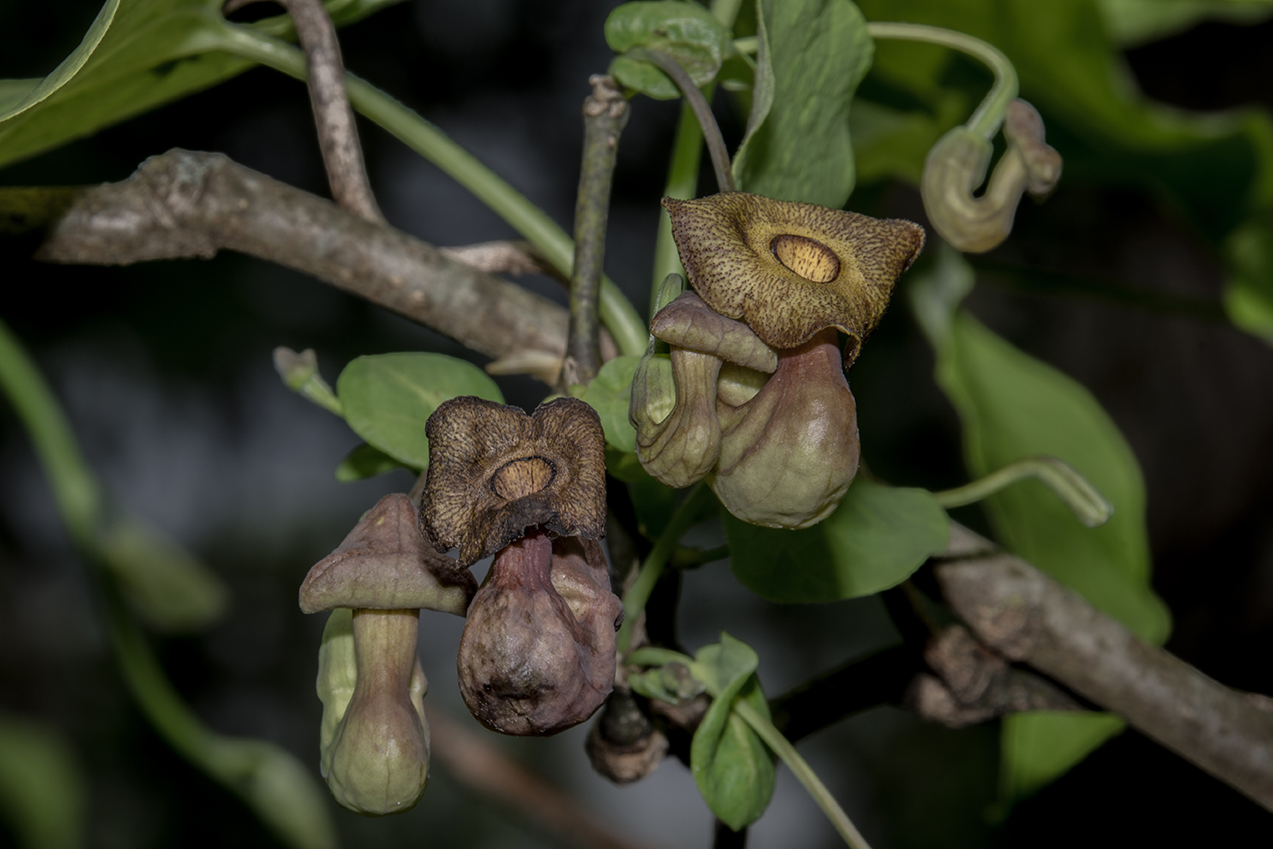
(789, 270)
(495, 471)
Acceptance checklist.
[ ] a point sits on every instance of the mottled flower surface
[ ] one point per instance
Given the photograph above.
(495, 471)
(538, 652)
(790, 269)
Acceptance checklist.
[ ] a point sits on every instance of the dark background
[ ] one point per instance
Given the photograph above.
(165, 371)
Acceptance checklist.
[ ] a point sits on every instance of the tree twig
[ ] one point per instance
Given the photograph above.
(1026, 616)
(605, 114)
(184, 204)
(333, 116)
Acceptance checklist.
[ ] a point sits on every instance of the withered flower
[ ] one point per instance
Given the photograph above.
(956, 167)
(792, 275)
(375, 740)
(538, 651)
(495, 471)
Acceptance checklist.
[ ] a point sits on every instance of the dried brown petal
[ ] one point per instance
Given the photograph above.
(538, 651)
(495, 471)
(385, 563)
(788, 269)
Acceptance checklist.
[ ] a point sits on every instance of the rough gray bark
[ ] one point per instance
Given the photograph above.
(1026, 616)
(183, 204)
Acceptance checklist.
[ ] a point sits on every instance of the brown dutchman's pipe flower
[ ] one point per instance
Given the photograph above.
(538, 651)
(375, 744)
(778, 281)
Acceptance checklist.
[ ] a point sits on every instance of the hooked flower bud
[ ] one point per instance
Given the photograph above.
(538, 651)
(375, 739)
(777, 280)
(956, 167)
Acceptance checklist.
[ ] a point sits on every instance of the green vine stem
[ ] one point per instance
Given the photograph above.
(988, 117)
(702, 111)
(617, 313)
(682, 181)
(782, 747)
(266, 777)
(685, 517)
(1084, 500)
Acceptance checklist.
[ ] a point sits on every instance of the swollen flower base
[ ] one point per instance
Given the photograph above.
(752, 393)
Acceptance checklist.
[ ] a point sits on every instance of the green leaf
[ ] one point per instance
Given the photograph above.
(813, 54)
(734, 770)
(1014, 406)
(168, 588)
(42, 790)
(1043, 745)
(366, 462)
(687, 32)
(388, 397)
(876, 538)
(610, 393)
(137, 55)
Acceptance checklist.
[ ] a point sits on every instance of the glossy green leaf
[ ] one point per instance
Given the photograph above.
(610, 393)
(366, 462)
(137, 55)
(388, 397)
(43, 793)
(876, 538)
(734, 770)
(163, 583)
(1014, 406)
(813, 54)
(687, 32)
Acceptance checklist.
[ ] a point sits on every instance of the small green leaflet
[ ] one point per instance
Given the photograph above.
(876, 538)
(610, 393)
(387, 398)
(687, 32)
(733, 768)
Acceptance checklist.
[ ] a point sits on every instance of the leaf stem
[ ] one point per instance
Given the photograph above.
(685, 517)
(782, 747)
(1086, 502)
(625, 324)
(989, 115)
(605, 114)
(702, 111)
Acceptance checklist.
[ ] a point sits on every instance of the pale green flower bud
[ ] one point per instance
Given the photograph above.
(375, 739)
(956, 167)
